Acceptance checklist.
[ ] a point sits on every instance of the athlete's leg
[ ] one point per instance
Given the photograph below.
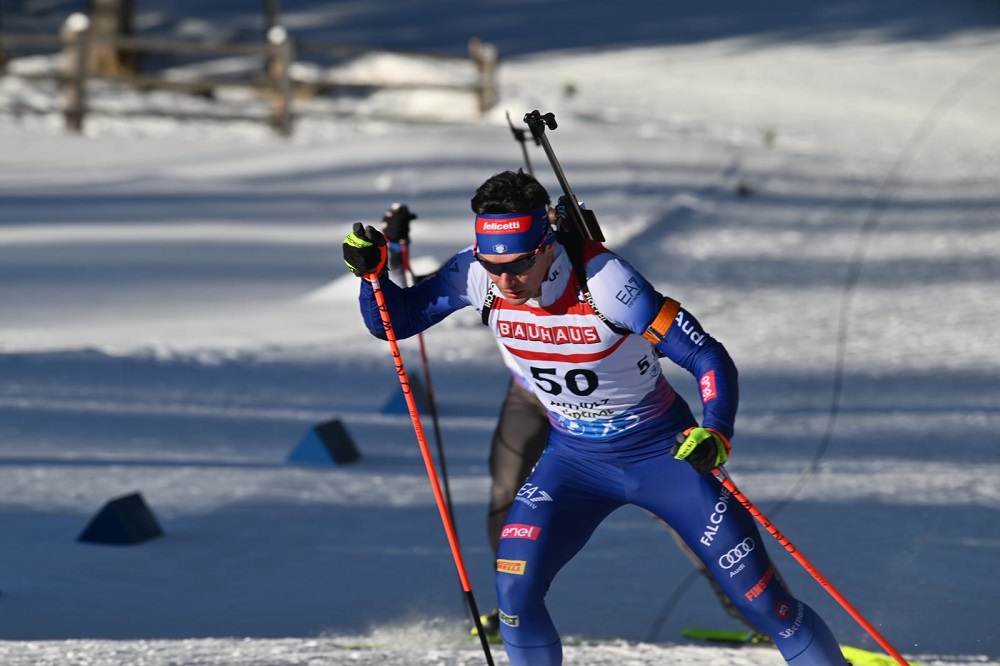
(724, 601)
(724, 536)
(720, 594)
(554, 514)
(518, 440)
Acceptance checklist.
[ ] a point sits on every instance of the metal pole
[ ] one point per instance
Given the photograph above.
(425, 452)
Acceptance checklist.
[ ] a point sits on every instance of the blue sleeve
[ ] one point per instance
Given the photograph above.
(414, 309)
(630, 301)
(688, 345)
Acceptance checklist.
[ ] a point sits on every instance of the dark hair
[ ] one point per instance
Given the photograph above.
(509, 192)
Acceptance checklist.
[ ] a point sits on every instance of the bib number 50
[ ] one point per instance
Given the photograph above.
(579, 382)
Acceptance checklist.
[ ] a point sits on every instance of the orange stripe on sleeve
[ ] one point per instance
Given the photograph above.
(664, 318)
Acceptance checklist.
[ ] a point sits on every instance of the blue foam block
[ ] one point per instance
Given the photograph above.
(326, 445)
(125, 520)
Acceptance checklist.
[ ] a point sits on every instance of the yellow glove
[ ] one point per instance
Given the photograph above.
(704, 448)
(365, 252)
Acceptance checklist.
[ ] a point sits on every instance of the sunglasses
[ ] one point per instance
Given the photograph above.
(516, 267)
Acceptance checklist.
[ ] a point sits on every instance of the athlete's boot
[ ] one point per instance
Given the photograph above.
(491, 625)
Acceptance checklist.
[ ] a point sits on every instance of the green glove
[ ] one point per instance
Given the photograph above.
(704, 448)
(365, 252)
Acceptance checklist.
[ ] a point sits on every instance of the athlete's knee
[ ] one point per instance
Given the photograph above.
(809, 641)
(521, 595)
(769, 607)
(527, 629)
(799, 633)
(759, 595)
(516, 590)
(543, 655)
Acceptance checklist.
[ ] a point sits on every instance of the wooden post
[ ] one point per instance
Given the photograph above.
(485, 57)
(3, 55)
(282, 56)
(270, 21)
(110, 19)
(74, 36)
(270, 14)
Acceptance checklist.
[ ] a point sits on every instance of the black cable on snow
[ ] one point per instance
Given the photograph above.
(963, 85)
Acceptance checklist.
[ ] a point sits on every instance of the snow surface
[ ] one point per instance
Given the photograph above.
(175, 317)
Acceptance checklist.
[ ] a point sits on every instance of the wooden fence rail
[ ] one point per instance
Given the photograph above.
(274, 80)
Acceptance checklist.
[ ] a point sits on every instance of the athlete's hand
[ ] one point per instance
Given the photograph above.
(396, 223)
(704, 448)
(365, 252)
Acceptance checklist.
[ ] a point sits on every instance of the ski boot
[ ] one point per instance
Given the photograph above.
(491, 625)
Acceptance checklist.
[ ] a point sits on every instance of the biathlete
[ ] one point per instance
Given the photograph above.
(585, 328)
(520, 436)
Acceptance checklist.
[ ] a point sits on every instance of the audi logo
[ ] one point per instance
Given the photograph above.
(741, 550)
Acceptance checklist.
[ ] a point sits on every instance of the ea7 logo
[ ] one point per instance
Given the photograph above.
(629, 291)
(532, 495)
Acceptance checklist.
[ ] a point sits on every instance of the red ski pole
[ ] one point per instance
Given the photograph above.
(724, 479)
(431, 403)
(411, 404)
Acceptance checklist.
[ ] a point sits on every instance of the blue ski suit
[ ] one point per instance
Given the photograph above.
(591, 355)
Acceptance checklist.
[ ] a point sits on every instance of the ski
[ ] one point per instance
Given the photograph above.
(856, 656)
(859, 657)
(735, 636)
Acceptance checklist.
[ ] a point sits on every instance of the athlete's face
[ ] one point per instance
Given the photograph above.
(517, 288)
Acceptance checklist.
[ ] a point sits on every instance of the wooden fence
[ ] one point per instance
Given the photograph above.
(274, 80)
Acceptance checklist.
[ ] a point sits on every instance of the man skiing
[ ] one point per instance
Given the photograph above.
(520, 436)
(584, 329)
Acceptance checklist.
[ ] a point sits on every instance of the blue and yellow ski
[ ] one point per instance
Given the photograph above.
(859, 657)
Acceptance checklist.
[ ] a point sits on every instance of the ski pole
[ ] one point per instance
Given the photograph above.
(519, 136)
(726, 481)
(446, 520)
(432, 405)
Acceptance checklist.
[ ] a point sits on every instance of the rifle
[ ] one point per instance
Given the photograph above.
(582, 221)
(575, 225)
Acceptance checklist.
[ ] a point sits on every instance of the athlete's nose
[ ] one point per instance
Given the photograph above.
(507, 280)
